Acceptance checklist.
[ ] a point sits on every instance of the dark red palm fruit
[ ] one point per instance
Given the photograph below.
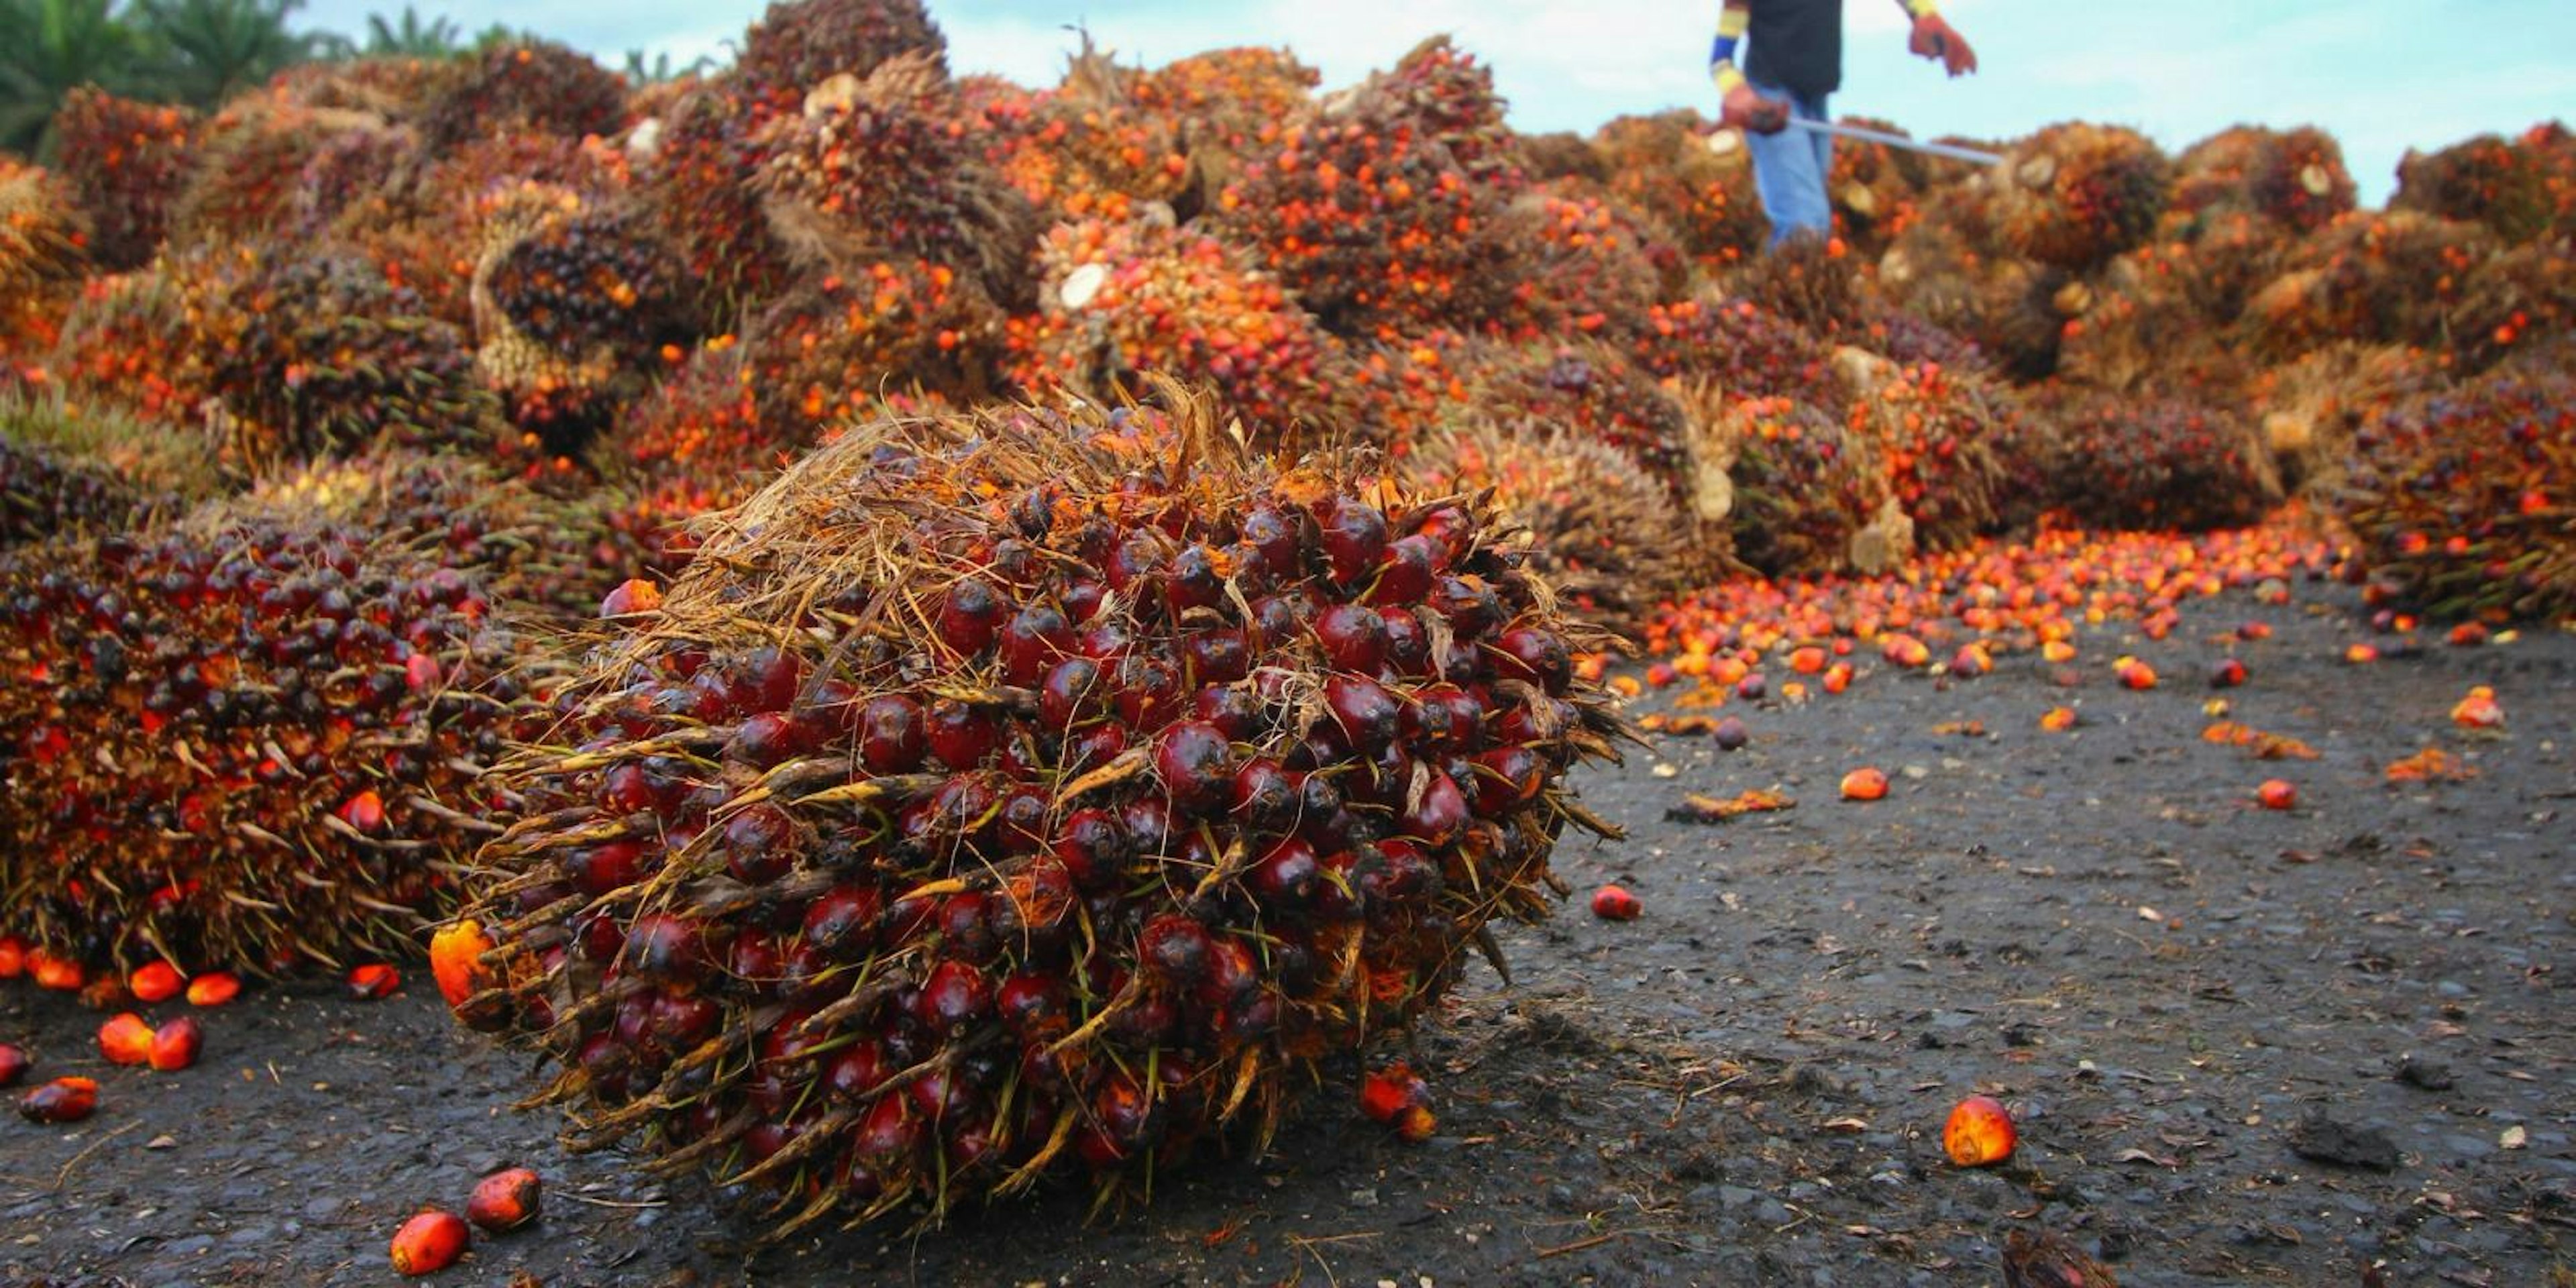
(970, 1142)
(1174, 948)
(14, 1063)
(1407, 878)
(1034, 639)
(627, 789)
(893, 734)
(1148, 690)
(1133, 563)
(1730, 734)
(664, 947)
(1274, 621)
(1354, 638)
(1081, 598)
(889, 1133)
(1093, 746)
(1438, 813)
(1107, 642)
(1035, 1006)
(1273, 533)
(505, 1200)
(1533, 654)
(1264, 796)
(1470, 605)
(971, 615)
(63, 1100)
(1147, 822)
(1218, 655)
(962, 736)
(1408, 648)
(856, 1070)
(1406, 575)
(611, 865)
(2227, 674)
(753, 960)
(791, 1049)
(1196, 765)
(1235, 712)
(1353, 538)
(1364, 712)
(1230, 976)
(764, 1140)
(772, 680)
(1253, 1018)
(1285, 876)
(1145, 1021)
(759, 844)
(842, 921)
(1192, 581)
(373, 981)
(598, 937)
(952, 999)
(1122, 1122)
(682, 1022)
(1442, 717)
(1093, 847)
(1449, 525)
(1071, 693)
(1338, 896)
(965, 925)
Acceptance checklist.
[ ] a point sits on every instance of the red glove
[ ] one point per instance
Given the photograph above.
(1935, 39)
(1747, 110)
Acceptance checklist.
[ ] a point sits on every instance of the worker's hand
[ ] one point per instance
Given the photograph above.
(1750, 111)
(1935, 39)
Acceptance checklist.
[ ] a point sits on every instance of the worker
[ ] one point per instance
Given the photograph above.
(1796, 60)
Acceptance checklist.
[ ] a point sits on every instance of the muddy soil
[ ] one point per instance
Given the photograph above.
(2175, 991)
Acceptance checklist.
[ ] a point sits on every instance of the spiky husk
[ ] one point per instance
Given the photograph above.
(2460, 501)
(1663, 165)
(2075, 195)
(2522, 189)
(1118, 302)
(538, 87)
(1604, 532)
(2126, 462)
(2295, 178)
(247, 743)
(799, 44)
(861, 976)
(126, 162)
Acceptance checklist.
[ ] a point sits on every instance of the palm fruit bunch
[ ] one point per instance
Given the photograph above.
(2510, 302)
(246, 741)
(1089, 148)
(535, 87)
(592, 280)
(799, 44)
(127, 162)
(1667, 165)
(250, 174)
(872, 169)
(2460, 501)
(2074, 195)
(560, 305)
(1225, 101)
(397, 89)
(2122, 461)
(1747, 349)
(65, 469)
(1560, 155)
(1804, 496)
(1941, 438)
(2139, 329)
(833, 345)
(1946, 269)
(1442, 90)
(1590, 389)
(1023, 794)
(42, 237)
(1367, 216)
(2295, 178)
(1121, 301)
(346, 169)
(2369, 277)
(1605, 533)
(2311, 408)
(1584, 264)
(1873, 188)
(695, 167)
(1812, 283)
(2522, 189)
(128, 340)
(1905, 336)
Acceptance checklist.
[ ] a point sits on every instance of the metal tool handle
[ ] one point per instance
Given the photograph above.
(1950, 150)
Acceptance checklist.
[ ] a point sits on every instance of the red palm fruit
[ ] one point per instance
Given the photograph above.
(1354, 637)
(1386, 1093)
(1437, 813)
(373, 981)
(857, 1071)
(971, 615)
(1363, 710)
(63, 1100)
(1506, 776)
(841, 923)
(1286, 875)
(664, 946)
(13, 1064)
(429, 1243)
(2227, 674)
(1408, 650)
(175, 1044)
(1353, 538)
(892, 734)
(455, 960)
(13, 957)
(505, 1200)
(1033, 1005)
(960, 735)
(156, 982)
(1195, 763)
(1121, 1124)
(1175, 947)
(1979, 1132)
(1093, 847)
(1614, 903)
(1033, 640)
(1405, 577)
(125, 1039)
(1730, 734)
(757, 844)
(1072, 692)
(1264, 796)
(633, 597)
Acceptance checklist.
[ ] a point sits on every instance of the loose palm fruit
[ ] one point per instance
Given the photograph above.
(505, 1200)
(63, 1100)
(430, 1242)
(1979, 1132)
(175, 1044)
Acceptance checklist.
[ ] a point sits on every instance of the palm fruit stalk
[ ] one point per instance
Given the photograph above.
(2460, 502)
(2074, 195)
(1023, 794)
(1118, 302)
(2127, 461)
(249, 741)
(127, 162)
(2523, 189)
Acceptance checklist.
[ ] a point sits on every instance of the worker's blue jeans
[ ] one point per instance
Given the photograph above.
(1789, 170)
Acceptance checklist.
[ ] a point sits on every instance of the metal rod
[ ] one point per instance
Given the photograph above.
(1950, 150)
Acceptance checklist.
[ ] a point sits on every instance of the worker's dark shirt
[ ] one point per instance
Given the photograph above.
(1796, 45)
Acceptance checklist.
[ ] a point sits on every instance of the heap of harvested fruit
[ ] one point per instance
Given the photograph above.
(1023, 793)
(247, 741)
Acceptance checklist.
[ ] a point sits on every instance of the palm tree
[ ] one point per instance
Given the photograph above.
(209, 50)
(412, 38)
(661, 69)
(55, 46)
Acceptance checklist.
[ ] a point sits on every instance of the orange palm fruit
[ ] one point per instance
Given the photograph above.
(1614, 903)
(1864, 784)
(156, 982)
(373, 981)
(505, 1200)
(64, 1100)
(429, 1242)
(175, 1045)
(126, 1039)
(2276, 794)
(1979, 1132)
(214, 988)
(455, 954)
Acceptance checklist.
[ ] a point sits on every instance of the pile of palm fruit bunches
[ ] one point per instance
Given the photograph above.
(938, 631)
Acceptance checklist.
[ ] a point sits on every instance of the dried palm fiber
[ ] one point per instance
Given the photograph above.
(1118, 302)
(2074, 195)
(2126, 461)
(2523, 189)
(248, 740)
(66, 469)
(532, 87)
(2459, 501)
(2389, 278)
(798, 45)
(2310, 409)
(1668, 167)
(1939, 435)
(950, 824)
(127, 162)
(1604, 532)
(870, 170)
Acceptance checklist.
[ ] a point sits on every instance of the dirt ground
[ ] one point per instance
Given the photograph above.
(2173, 989)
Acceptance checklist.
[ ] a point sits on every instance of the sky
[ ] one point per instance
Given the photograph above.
(2380, 75)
